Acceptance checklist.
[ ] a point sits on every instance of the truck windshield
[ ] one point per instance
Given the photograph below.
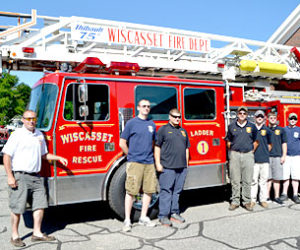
(42, 101)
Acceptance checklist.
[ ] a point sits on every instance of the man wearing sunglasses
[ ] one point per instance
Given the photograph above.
(242, 142)
(261, 158)
(291, 168)
(22, 162)
(137, 140)
(171, 154)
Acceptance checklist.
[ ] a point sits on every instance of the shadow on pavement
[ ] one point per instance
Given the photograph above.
(57, 218)
(204, 196)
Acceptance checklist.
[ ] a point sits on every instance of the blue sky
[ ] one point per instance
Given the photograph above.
(253, 19)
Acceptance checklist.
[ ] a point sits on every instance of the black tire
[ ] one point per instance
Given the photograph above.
(116, 197)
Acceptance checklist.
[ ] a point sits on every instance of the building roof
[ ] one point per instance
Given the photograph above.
(288, 28)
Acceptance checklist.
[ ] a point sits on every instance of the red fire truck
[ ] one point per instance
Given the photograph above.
(101, 69)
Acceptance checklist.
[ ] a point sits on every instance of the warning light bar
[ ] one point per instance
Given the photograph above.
(28, 50)
(90, 65)
(123, 67)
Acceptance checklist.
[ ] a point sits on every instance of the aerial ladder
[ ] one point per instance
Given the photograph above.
(43, 43)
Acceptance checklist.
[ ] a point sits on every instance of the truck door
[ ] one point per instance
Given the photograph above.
(202, 109)
(87, 132)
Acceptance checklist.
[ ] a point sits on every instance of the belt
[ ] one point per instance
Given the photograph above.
(29, 173)
(242, 151)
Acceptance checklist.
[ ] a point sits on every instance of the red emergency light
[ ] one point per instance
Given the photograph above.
(123, 67)
(28, 50)
(90, 65)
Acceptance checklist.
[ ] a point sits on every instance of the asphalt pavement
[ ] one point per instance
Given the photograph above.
(209, 225)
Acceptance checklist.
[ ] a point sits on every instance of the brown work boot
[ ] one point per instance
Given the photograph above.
(233, 207)
(253, 204)
(264, 204)
(249, 207)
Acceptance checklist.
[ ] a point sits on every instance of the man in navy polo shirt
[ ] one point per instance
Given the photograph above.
(241, 141)
(261, 159)
(137, 142)
(291, 167)
(277, 156)
(171, 154)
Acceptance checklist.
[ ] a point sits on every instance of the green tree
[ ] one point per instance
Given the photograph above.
(14, 97)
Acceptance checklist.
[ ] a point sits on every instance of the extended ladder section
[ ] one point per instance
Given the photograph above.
(44, 43)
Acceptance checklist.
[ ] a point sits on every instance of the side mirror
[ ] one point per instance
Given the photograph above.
(232, 115)
(83, 111)
(82, 93)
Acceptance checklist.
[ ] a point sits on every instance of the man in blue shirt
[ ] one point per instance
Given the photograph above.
(277, 156)
(261, 158)
(241, 141)
(137, 142)
(291, 167)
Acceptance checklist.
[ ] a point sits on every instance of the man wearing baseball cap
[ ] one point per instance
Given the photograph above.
(261, 158)
(241, 141)
(291, 167)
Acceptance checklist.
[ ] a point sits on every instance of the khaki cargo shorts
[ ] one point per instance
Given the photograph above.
(138, 175)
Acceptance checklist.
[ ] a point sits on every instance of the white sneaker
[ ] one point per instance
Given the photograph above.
(127, 226)
(146, 222)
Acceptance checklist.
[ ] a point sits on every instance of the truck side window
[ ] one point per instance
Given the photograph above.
(162, 99)
(199, 104)
(98, 103)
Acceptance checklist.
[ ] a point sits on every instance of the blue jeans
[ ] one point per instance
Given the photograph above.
(171, 183)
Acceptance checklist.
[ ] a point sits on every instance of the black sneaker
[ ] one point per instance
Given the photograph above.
(296, 199)
(278, 201)
(283, 197)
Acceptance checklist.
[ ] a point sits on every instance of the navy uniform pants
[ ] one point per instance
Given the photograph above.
(171, 182)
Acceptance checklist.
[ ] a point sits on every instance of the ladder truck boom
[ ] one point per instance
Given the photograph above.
(158, 51)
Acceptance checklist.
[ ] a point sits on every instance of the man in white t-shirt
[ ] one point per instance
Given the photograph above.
(22, 158)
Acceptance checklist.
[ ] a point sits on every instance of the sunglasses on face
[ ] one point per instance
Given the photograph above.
(176, 116)
(30, 119)
(242, 113)
(260, 116)
(293, 118)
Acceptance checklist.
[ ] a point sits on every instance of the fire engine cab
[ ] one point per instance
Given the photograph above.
(96, 71)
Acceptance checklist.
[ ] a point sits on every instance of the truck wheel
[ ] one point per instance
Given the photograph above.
(116, 197)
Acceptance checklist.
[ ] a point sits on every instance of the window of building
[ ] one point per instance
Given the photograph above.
(162, 100)
(199, 104)
(97, 103)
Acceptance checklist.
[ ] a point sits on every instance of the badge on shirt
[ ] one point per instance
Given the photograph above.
(277, 132)
(150, 128)
(248, 130)
(296, 135)
(183, 133)
(263, 132)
